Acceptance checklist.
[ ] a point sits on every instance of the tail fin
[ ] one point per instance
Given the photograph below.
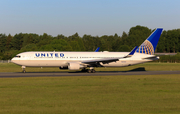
(97, 49)
(149, 45)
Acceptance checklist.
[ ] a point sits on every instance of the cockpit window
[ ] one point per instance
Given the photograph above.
(18, 56)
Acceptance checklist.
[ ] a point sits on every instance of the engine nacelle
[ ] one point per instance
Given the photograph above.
(74, 66)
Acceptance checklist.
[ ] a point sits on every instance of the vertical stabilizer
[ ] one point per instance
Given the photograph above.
(149, 45)
(97, 49)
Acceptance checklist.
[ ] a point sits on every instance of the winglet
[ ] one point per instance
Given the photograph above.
(132, 52)
(97, 49)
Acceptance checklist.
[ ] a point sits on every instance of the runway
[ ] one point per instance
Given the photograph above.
(100, 73)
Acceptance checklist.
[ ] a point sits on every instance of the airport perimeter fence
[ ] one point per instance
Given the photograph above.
(5, 61)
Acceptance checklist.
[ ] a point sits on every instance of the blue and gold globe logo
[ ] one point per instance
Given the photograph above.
(146, 48)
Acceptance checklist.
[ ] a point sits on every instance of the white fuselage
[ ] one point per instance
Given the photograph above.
(61, 59)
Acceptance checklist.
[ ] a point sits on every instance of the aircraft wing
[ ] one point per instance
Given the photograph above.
(108, 60)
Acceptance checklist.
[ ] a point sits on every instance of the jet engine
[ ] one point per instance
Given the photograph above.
(74, 66)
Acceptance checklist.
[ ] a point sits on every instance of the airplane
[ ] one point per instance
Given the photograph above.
(87, 61)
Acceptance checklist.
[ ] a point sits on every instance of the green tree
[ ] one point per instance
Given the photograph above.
(161, 47)
(89, 42)
(8, 43)
(29, 47)
(56, 45)
(107, 42)
(173, 37)
(17, 41)
(75, 46)
(137, 35)
(44, 40)
(124, 48)
(123, 38)
(9, 54)
(60, 36)
(3, 40)
(76, 42)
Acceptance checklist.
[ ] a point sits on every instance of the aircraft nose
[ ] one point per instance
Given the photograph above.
(13, 60)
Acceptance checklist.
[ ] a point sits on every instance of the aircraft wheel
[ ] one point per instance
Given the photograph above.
(89, 71)
(93, 71)
(24, 71)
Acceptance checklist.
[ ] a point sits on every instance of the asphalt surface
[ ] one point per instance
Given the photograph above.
(100, 73)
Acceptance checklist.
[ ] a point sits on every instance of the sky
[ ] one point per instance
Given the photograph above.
(91, 17)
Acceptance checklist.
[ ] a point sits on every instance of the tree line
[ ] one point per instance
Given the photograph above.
(21, 42)
(170, 58)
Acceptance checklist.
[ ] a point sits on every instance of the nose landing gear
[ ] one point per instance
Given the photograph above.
(23, 69)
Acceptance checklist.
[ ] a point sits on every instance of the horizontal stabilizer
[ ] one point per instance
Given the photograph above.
(152, 58)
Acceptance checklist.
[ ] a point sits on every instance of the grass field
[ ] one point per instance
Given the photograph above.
(151, 94)
(151, 66)
(143, 94)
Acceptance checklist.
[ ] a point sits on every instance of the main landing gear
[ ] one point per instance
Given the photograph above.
(91, 70)
(23, 69)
